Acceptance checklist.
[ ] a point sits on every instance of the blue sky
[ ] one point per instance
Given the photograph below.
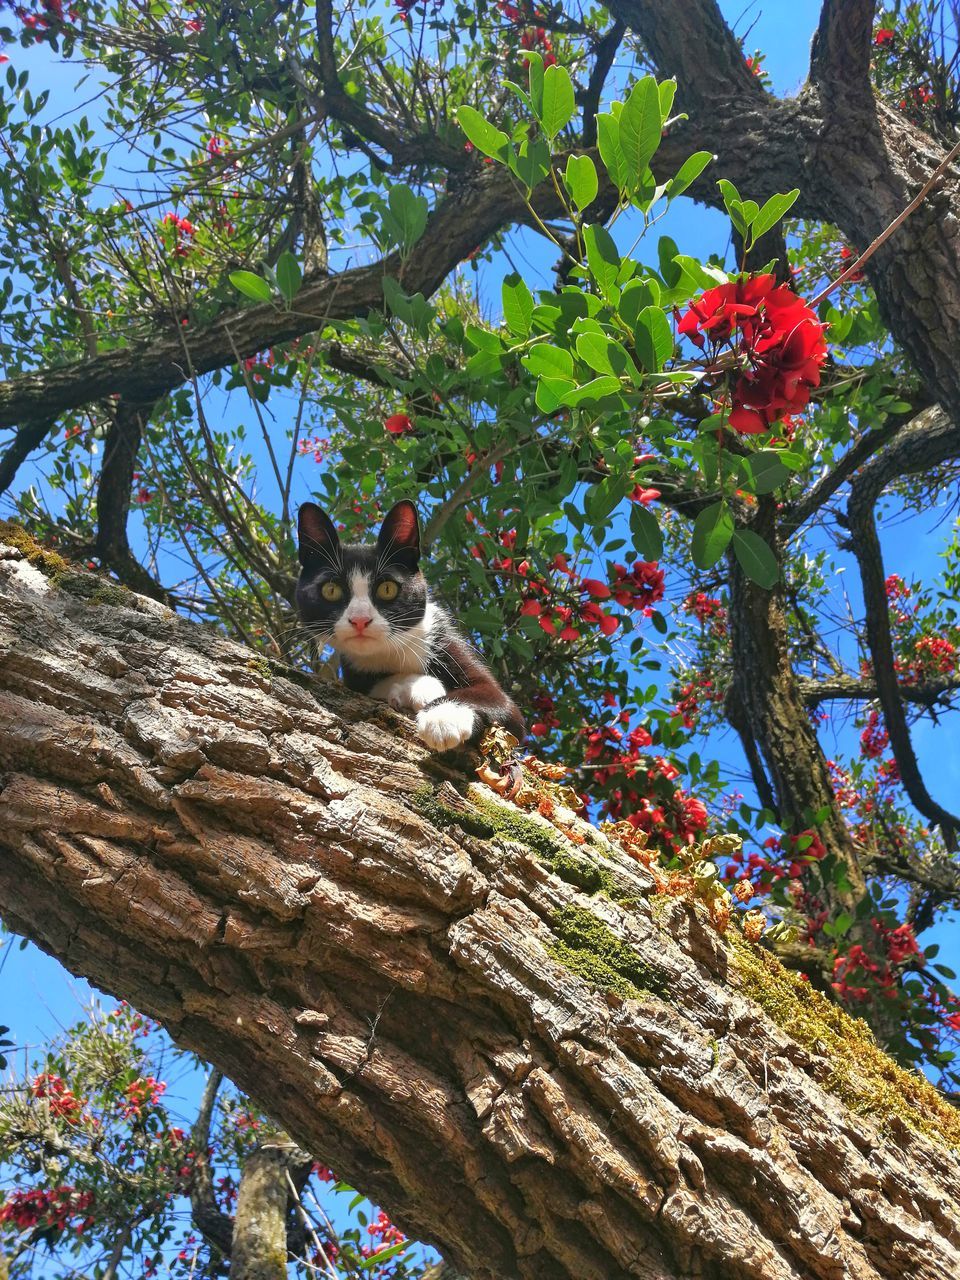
(37, 997)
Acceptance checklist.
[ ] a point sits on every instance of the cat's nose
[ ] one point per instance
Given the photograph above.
(359, 624)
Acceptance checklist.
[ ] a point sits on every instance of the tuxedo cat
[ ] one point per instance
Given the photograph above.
(372, 605)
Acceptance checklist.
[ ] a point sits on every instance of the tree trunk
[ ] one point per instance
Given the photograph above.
(503, 1035)
(259, 1249)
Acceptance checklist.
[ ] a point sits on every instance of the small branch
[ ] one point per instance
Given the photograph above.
(932, 439)
(589, 99)
(808, 504)
(215, 1227)
(28, 437)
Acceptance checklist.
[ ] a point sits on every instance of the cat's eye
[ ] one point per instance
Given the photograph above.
(332, 591)
(387, 589)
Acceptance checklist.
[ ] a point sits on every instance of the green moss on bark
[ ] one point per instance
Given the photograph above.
(862, 1075)
(592, 950)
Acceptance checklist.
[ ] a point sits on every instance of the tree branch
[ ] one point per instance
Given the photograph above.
(852, 689)
(27, 438)
(114, 485)
(215, 1227)
(932, 439)
(842, 44)
(696, 46)
(269, 868)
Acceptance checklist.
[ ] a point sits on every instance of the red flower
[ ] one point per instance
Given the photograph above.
(779, 342)
(884, 36)
(398, 424)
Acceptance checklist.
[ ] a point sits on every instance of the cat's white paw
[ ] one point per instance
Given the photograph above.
(408, 692)
(445, 726)
(424, 690)
(393, 689)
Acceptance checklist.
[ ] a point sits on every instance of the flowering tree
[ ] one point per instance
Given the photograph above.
(102, 1179)
(639, 482)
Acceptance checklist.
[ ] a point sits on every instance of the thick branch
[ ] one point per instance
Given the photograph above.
(841, 688)
(280, 875)
(931, 440)
(697, 47)
(113, 498)
(840, 56)
(488, 200)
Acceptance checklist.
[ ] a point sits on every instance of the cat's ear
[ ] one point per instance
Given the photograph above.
(318, 537)
(399, 539)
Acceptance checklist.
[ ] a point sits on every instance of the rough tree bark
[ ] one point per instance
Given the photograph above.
(508, 1039)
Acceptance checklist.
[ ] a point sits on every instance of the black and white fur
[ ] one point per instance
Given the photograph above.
(405, 650)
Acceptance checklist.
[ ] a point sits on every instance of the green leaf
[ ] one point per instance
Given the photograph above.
(595, 390)
(517, 305)
(559, 103)
(581, 181)
(842, 923)
(945, 972)
(756, 559)
(531, 163)
(601, 499)
(733, 204)
(712, 531)
(772, 212)
(764, 471)
(382, 1255)
(486, 137)
(635, 296)
(667, 90)
(483, 339)
(251, 286)
(602, 257)
(605, 356)
(535, 65)
(548, 361)
(611, 153)
(688, 172)
(654, 339)
(551, 392)
(640, 124)
(289, 276)
(647, 537)
(410, 213)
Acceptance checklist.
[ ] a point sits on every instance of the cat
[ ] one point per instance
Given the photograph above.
(372, 605)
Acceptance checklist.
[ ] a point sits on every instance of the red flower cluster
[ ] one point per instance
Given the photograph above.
(398, 424)
(777, 339)
(532, 37)
(874, 740)
(898, 946)
(60, 1100)
(639, 588)
(690, 696)
(846, 253)
(181, 228)
(51, 15)
(384, 1230)
(141, 1093)
(259, 366)
(51, 1208)
(708, 611)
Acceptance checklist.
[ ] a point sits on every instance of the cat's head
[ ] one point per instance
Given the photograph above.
(368, 602)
